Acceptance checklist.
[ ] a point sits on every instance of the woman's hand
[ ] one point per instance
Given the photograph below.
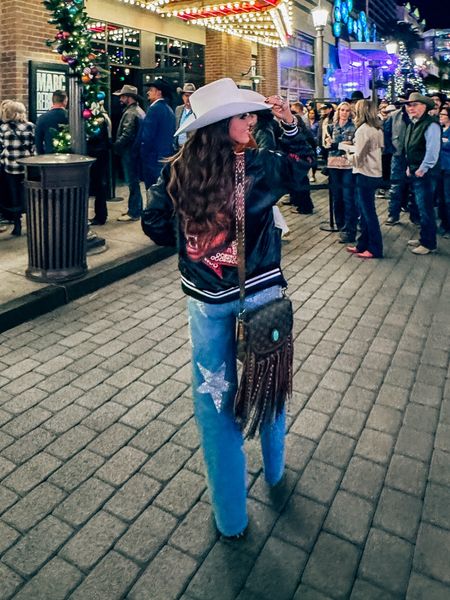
(281, 109)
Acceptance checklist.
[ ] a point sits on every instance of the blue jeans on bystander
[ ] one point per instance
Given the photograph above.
(370, 237)
(444, 200)
(423, 194)
(398, 186)
(342, 190)
(131, 175)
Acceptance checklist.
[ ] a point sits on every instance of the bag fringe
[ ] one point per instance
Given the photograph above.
(265, 384)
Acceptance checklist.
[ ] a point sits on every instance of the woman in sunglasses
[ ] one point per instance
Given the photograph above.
(193, 205)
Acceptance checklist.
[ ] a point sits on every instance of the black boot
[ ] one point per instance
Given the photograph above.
(17, 227)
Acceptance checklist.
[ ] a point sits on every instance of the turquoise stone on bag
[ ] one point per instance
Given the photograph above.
(275, 335)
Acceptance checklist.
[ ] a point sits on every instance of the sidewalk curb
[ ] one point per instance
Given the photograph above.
(37, 303)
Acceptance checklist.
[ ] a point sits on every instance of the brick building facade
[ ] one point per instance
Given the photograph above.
(23, 32)
(231, 56)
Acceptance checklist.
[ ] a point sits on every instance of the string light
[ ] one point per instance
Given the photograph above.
(267, 22)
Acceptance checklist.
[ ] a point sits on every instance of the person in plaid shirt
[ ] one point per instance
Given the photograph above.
(16, 141)
(3, 191)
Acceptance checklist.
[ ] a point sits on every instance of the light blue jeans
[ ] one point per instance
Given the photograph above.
(214, 384)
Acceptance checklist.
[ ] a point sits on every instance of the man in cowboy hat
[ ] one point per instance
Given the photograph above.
(127, 133)
(422, 147)
(158, 128)
(183, 112)
(439, 100)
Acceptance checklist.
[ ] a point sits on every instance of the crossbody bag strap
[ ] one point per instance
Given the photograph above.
(239, 195)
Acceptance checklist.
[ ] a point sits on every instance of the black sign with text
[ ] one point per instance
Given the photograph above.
(44, 79)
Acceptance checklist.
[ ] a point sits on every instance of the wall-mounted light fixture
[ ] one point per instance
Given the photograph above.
(392, 47)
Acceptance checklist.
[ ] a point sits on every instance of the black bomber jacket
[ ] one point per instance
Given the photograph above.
(269, 175)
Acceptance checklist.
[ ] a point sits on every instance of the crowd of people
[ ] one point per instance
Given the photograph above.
(142, 141)
(410, 166)
(404, 157)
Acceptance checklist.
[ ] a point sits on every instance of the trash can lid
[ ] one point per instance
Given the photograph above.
(55, 159)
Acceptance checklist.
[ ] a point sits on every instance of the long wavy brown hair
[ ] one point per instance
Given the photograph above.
(201, 185)
(367, 112)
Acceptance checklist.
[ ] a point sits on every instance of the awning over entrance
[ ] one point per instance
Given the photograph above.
(267, 22)
(373, 52)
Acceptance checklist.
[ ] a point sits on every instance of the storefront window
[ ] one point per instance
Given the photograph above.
(180, 56)
(122, 44)
(297, 68)
(174, 58)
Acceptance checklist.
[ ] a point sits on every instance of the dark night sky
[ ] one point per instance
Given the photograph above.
(435, 12)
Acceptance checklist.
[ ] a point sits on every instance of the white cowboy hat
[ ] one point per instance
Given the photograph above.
(219, 100)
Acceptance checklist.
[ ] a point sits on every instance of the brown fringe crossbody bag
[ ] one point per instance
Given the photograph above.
(264, 341)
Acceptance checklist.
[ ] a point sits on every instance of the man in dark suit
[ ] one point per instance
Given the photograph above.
(156, 135)
(183, 112)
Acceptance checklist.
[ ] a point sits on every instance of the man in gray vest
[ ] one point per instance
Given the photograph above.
(422, 147)
(394, 140)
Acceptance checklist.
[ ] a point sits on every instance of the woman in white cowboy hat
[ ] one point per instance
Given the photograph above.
(193, 205)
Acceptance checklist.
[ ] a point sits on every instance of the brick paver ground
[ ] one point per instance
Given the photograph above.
(102, 494)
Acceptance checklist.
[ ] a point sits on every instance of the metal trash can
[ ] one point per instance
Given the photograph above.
(57, 187)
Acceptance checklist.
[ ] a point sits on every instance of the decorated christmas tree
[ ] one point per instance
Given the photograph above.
(73, 41)
(406, 75)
